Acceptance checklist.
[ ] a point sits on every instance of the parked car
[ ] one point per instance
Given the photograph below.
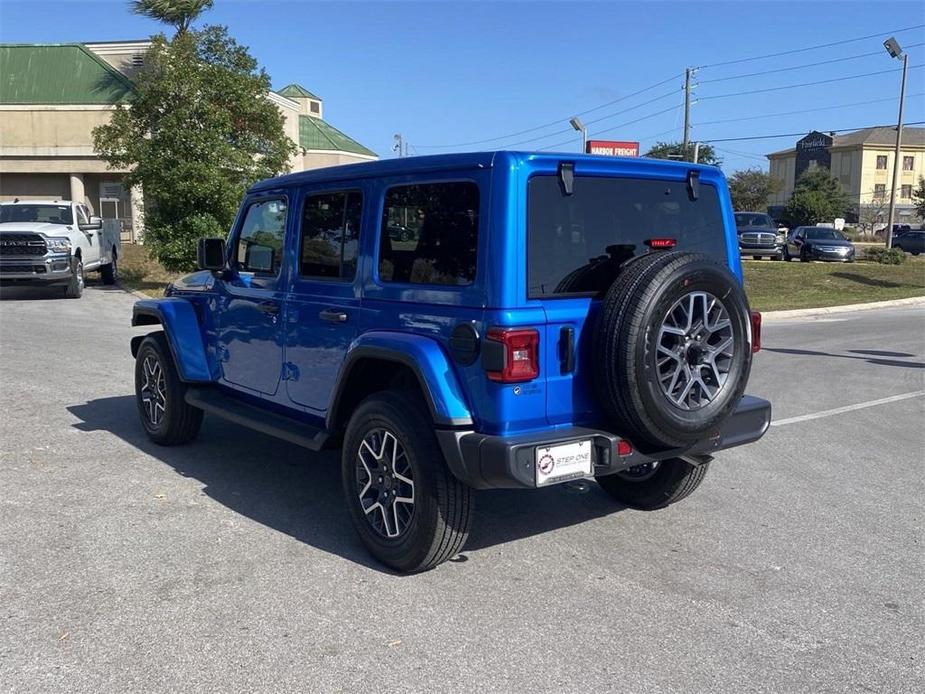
(758, 236)
(401, 233)
(540, 330)
(818, 243)
(53, 243)
(910, 241)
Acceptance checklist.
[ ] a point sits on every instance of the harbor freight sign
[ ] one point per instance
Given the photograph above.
(610, 148)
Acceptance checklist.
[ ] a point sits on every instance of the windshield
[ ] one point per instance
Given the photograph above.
(578, 243)
(824, 235)
(749, 219)
(47, 214)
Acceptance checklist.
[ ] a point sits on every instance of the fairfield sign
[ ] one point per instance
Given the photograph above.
(611, 148)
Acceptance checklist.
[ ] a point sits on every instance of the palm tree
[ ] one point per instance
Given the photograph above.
(179, 13)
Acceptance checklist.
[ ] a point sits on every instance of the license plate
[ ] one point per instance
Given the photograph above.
(560, 463)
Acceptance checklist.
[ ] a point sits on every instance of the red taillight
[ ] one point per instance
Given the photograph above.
(624, 448)
(756, 331)
(661, 243)
(521, 354)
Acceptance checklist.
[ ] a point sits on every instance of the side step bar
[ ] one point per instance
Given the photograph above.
(278, 425)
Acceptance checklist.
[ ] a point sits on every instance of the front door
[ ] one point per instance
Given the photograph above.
(250, 316)
(322, 309)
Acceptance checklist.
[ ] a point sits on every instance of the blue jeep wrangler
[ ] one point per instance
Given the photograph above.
(545, 318)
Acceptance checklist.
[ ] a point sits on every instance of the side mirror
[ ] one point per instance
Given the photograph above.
(210, 254)
(94, 223)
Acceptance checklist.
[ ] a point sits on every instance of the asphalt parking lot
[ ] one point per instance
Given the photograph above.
(231, 565)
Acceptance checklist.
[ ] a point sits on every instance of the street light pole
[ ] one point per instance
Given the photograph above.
(579, 126)
(895, 51)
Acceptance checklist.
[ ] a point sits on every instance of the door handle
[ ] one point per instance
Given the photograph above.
(333, 315)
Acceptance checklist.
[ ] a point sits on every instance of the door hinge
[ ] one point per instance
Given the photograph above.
(290, 372)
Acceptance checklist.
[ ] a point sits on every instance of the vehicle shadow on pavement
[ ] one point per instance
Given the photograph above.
(861, 354)
(297, 492)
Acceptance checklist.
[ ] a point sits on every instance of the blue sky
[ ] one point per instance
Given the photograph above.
(453, 73)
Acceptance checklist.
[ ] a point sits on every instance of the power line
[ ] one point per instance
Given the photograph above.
(558, 120)
(801, 134)
(806, 84)
(804, 65)
(879, 34)
(805, 110)
(616, 127)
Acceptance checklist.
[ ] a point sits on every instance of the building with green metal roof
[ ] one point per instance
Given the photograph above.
(52, 96)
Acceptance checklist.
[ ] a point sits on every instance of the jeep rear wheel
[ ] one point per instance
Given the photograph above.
(410, 511)
(673, 349)
(160, 394)
(654, 485)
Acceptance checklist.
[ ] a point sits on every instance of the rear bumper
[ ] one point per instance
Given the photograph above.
(494, 462)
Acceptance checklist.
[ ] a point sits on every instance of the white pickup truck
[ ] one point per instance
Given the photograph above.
(53, 243)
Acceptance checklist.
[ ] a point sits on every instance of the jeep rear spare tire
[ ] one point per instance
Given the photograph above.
(673, 349)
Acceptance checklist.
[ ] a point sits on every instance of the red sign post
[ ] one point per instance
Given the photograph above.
(612, 148)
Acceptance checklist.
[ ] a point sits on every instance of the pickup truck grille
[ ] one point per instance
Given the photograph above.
(17, 269)
(21, 244)
(757, 238)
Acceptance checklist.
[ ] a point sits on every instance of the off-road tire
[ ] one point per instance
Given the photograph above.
(109, 273)
(75, 286)
(625, 349)
(442, 510)
(673, 480)
(180, 421)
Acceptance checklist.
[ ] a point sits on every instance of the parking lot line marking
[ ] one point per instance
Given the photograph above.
(847, 408)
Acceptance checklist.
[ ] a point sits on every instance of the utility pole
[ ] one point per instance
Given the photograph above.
(687, 112)
(896, 154)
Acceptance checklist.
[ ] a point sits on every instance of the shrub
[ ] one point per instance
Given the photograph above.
(885, 256)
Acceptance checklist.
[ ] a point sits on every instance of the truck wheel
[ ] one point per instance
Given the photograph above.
(654, 485)
(785, 255)
(110, 273)
(410, 511)
(756, 257)
(166, 416)
(75, 287)
(672, 348)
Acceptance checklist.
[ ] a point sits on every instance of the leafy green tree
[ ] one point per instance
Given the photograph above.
(178, 13)
(817, 197)
(750, 189)
(675, 150)
(918, 195)
(198, 131)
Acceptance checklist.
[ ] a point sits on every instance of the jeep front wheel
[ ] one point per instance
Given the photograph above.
(160, 394)
(654, 485)
(408, 508)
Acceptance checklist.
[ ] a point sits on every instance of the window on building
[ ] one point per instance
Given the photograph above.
(908, 163)
(813, 164)
(430, 234)
(905, 191)
(879, 190)
(330, 234)
(260, 242)
(315, 107)
(881, 161)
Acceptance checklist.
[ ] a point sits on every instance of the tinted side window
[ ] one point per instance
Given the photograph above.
(429, 234)
(260, 243)
(330, 233)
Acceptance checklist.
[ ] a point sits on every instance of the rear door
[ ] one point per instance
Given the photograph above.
(322, 308)
(578, 244)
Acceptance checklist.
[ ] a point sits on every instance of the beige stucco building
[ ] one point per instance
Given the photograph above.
(53, 96)
(863, 163)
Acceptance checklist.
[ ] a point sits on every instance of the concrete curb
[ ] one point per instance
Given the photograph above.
(134, 292)
(847, 308)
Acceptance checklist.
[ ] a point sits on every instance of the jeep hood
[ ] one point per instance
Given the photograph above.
(38, 228)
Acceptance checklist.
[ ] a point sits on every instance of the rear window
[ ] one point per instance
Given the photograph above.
(430, 234)
(578, 243)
